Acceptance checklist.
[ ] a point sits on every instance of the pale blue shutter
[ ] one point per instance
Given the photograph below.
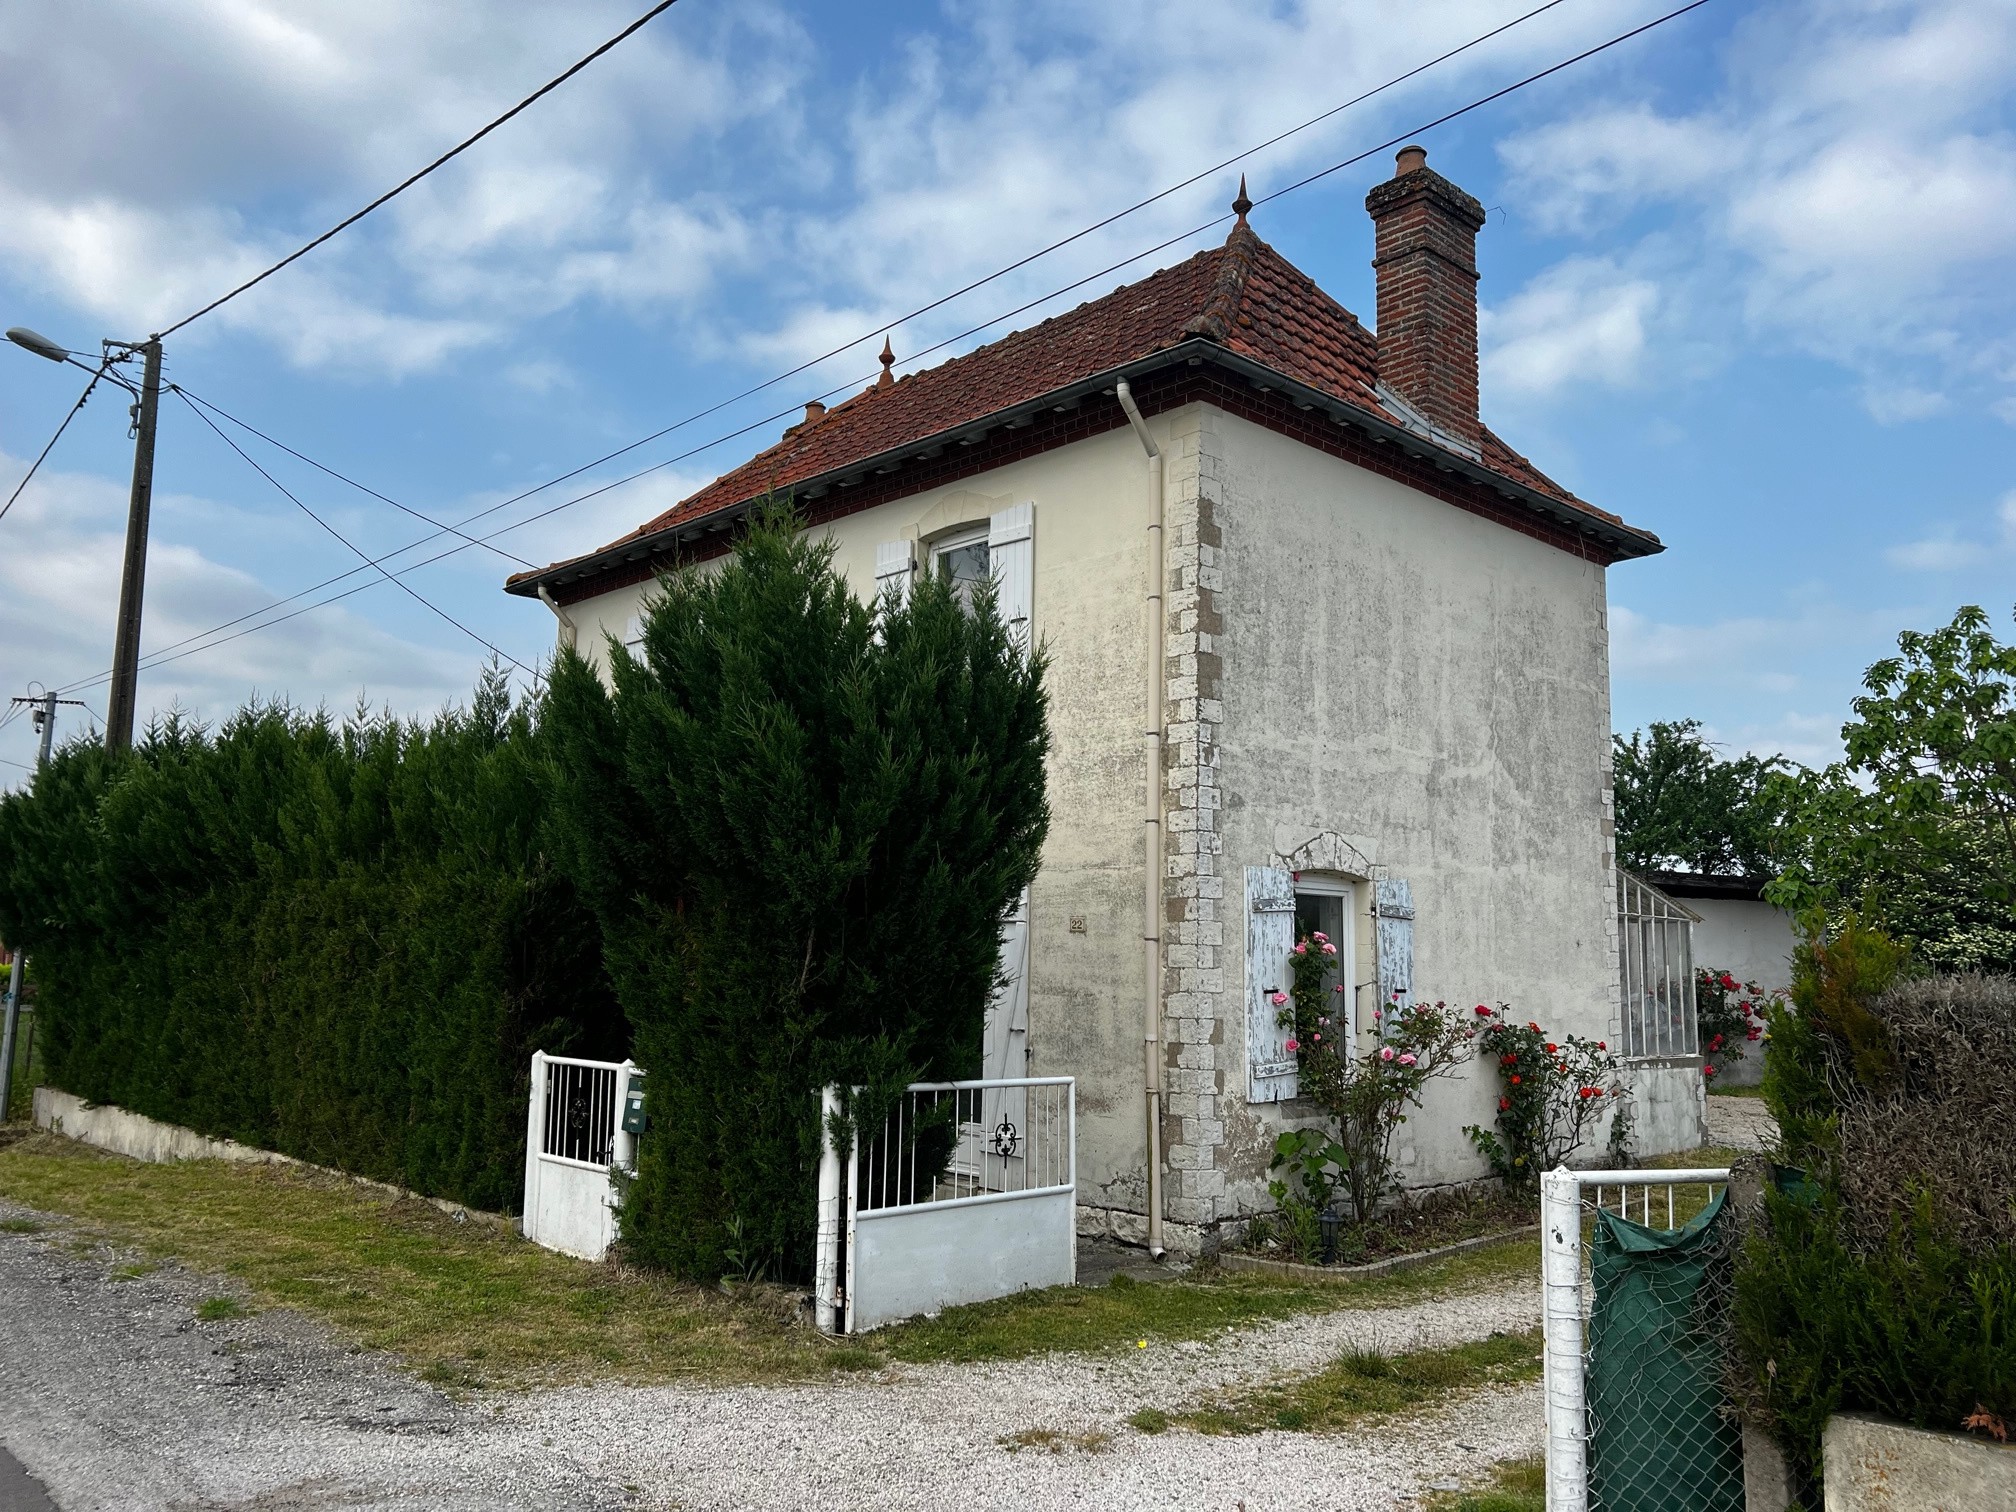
(1393, 931)
(1270, 936)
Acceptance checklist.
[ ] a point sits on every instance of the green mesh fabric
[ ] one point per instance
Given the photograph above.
(1660, 1436)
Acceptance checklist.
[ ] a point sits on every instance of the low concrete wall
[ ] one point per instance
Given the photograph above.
(144, 1138)
(1872, 1465)
(1669, 1106)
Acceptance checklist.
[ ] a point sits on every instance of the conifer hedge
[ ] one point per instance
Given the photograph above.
(800, 820)
(340, 941)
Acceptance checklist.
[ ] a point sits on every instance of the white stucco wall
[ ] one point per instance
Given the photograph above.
(1434, 686)
(1745, 937)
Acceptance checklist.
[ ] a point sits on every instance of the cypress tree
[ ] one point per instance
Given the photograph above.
(801, 820)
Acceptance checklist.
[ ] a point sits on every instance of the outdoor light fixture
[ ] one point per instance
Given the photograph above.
(37, 343)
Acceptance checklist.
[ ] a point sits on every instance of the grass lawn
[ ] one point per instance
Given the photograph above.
(1516, 1486)
(1366, 1383)
(470, 1306)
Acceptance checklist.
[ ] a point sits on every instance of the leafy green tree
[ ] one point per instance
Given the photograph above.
(1917, 825)
(801, 820)
(1681, 806)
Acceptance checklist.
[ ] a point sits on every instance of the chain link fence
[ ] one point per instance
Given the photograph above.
(1637, 1416)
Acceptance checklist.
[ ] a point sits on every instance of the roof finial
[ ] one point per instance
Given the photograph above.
(1242, 204)
(888, 361)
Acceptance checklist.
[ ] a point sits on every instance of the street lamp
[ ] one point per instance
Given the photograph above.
(123, 698)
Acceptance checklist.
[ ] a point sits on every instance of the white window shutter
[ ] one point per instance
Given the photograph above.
(1011, 557)
(893, 566)
(1393, 935)
(1270, 936)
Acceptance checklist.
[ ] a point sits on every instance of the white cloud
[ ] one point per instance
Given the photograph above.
(1896, 404)
(124, 143)
(1581, 321)
(1848, 190)
(1950, 552)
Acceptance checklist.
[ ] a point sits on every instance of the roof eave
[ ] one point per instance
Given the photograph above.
(1622, 540)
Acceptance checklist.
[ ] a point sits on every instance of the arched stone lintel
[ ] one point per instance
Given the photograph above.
(1299, 849)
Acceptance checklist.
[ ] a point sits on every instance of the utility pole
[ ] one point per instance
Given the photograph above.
(125, 693)
(45, 720)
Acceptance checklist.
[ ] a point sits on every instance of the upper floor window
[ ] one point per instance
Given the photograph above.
(963, 561)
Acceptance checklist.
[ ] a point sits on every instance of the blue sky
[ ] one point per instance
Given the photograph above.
(1745, 283)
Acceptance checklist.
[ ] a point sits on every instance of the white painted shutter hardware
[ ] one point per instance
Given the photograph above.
(1271, 1072)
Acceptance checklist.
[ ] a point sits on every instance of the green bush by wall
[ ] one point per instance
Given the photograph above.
(1882, 1277)
(801, 820)
(340, 941)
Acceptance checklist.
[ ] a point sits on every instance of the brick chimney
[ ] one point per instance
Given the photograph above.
(1425, 245)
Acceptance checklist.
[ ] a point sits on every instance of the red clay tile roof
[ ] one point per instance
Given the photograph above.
(1243, 295)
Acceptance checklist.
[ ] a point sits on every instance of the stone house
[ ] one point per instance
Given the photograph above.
(1325, 650)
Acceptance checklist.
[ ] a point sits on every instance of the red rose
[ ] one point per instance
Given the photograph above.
(1551, 1049)
(1482, 1011)
(1707, 1070)
(1504, 1103)
(1728, 982)
(1600, 1045)
(1515, 1081)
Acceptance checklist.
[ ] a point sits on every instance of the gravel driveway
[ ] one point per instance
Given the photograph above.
(116, 1397)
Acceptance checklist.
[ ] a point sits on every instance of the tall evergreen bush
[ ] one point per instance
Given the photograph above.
(340, 941)
(801, 820)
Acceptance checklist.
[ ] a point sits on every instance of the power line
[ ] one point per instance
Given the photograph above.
(424, 519)
(1041, 252)
(742, 430)
(847, 346)
(403, 586)
(35, 466)
(453, 152)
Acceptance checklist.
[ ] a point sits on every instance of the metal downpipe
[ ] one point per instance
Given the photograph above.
(1151, 817)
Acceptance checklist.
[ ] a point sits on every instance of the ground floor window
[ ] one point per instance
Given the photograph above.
(1328, 906)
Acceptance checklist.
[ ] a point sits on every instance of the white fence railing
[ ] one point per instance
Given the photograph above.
(1655, 948)
(968, 1191)
(1566, 1197)
(573, 1136)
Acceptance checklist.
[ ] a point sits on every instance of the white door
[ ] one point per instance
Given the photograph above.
(1000, 1139)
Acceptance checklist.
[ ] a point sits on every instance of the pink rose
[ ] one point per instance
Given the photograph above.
(1329, 949)
(1319, 937)
(1293, 1047)
(1386, 1054)
(1301, 948)
(1406, 1060)
(1278, 999)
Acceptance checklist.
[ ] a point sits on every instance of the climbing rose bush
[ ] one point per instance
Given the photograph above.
(1365, 1089)
(1553, 1094)
(1731, 1014)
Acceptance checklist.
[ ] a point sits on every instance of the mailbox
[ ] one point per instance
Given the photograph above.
(634, 1119)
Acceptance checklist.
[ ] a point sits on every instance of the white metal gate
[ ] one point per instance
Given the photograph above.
(573, 1137)
(951, 1201)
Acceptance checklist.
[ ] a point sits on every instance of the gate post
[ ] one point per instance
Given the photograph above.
(535, 1133)
(826, 1265)
(1561, 1322)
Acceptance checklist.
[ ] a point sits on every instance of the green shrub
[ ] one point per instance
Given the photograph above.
(340, 941)
(1882, 1275)
(800, 824)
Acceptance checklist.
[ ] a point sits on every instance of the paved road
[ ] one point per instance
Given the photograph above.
(120, 1400)
(20, 1491)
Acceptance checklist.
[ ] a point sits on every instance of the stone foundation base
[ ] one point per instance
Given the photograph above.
(1187, 1241)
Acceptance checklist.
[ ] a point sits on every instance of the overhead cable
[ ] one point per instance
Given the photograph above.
(971, 331)
(401, 584)
(400, 188)
(34, 466)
